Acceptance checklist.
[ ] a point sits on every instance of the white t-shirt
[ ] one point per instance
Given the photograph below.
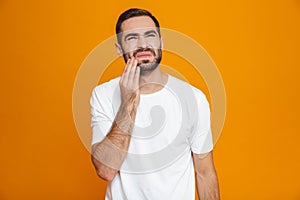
(170, 124)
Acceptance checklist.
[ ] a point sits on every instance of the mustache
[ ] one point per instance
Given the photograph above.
(144, 50)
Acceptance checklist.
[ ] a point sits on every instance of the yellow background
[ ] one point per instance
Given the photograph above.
(255, 45)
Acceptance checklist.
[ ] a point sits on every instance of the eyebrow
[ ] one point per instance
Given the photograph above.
(135, 34)
(151, 31)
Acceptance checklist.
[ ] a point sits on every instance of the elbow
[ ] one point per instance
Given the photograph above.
(107, 176)
(104, 172)
(206, 174)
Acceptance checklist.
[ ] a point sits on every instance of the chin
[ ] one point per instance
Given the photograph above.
(149, 67)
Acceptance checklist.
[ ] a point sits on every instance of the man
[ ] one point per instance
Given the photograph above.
(151, 131)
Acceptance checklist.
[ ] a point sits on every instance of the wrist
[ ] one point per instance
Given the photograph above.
(124, 120)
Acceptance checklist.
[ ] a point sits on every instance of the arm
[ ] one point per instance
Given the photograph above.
(109, 154)
(206, 177)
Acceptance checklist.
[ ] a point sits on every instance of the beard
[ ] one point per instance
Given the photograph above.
(145, 64)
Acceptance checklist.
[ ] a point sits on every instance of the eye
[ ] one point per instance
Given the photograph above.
(150, 35)
(132, 38)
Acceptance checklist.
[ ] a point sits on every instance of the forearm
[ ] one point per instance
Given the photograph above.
(108, 155)
(207, 186)
(112, 150)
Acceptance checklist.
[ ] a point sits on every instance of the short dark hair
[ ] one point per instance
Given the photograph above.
(134, 12)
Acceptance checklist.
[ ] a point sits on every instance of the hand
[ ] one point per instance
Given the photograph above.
(129, 84)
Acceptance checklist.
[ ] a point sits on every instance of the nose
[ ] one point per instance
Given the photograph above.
(142, 43)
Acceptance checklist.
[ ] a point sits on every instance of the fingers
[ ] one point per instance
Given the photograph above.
(126, 71)
(129, 82)
(136, 78)
(131, 74)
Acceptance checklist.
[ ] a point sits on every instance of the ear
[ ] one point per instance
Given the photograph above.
(119, 49)
(162, 43)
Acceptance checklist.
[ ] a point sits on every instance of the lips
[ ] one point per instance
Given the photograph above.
(143, 54)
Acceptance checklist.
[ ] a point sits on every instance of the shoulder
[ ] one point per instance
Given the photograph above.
(107, 88)
(105, 91)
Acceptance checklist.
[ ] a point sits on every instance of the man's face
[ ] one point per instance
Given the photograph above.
(140, 39)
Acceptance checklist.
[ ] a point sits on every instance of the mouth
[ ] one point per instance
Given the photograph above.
(142, 55)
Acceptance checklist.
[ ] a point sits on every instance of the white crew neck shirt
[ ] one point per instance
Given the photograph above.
(170, 124)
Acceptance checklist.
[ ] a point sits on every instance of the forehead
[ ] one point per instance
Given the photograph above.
(138, 23)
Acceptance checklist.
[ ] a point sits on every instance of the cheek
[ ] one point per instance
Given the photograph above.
(154, 43)
(128, 54)
(129, 49)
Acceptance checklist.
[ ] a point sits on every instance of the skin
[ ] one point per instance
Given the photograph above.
(126, 115)
(150, 81)
(140, 76)
(206, 177)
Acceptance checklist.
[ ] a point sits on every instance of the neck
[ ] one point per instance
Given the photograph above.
(152, 81)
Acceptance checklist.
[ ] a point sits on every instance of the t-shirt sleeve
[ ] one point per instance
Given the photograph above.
(201, 140)
(101, 115)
